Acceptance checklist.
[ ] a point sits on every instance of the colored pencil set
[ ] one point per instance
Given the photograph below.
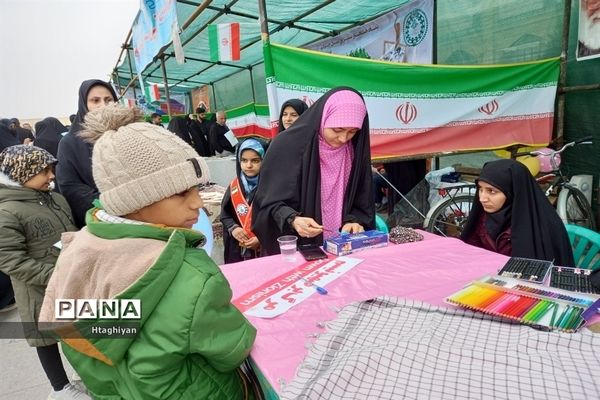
(525, 304)
(526, 269)
(574, 279)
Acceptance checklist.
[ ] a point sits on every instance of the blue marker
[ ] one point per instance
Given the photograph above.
(320, 290)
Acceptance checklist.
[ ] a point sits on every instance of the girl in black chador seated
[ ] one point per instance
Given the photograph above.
(512, 216)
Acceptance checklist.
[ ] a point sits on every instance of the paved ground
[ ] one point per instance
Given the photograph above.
(21, 374)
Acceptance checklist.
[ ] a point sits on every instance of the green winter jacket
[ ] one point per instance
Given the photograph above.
(31, 222)
(191, 339)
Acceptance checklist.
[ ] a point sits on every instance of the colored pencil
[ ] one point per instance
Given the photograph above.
(527, 304)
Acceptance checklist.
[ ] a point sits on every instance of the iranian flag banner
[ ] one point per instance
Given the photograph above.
(224, 42)
(425, 109)
(249, 120)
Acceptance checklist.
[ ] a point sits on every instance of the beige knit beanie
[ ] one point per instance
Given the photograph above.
(136, 164)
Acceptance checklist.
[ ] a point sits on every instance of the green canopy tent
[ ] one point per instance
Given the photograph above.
(466, 32)
(294, 23)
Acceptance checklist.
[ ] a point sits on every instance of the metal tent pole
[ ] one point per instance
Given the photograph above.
(115, 78)
(562, 79)
(164, 71)
(264, 22)
(252, 85)
(212, 87)
(132, 75)
(123, 49)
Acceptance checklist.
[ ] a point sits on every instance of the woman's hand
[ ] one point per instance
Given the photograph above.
(352, 227)
(307, 227)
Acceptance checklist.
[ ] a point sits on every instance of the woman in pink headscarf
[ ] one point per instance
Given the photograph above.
(316, 175)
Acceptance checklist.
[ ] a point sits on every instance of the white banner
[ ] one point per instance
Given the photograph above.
(402, 35)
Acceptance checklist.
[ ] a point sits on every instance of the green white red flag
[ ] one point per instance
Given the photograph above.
(152, 92)
(425, 109)
(224, 42)
(249, 120)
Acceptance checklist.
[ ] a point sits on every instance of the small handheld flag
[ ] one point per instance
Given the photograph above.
(152, 92)
(224, 42)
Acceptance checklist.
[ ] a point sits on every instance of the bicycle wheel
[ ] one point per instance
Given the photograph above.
(573, 208)
(448, 217)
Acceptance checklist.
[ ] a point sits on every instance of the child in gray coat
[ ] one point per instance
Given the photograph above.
(32, 218)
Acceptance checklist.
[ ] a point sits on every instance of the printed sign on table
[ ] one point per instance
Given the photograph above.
(280, 294)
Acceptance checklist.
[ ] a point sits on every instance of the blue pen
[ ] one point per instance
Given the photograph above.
(320, 290)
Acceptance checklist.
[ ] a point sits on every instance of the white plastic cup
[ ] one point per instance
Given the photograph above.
(287, 246)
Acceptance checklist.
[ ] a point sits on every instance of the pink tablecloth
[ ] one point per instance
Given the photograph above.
(429, 271)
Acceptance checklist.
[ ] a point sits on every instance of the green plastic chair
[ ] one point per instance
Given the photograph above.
(586, 246)
(380, 224)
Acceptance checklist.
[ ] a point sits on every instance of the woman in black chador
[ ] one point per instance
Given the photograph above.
(48, 133)
(74, 169)
(512, 216)
(316, 175)
(291, 110)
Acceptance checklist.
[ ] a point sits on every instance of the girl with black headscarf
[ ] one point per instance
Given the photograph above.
(512, 216)
(74, 169)
(48, 133)
(291, 110)
(316, 175)
(236, 208)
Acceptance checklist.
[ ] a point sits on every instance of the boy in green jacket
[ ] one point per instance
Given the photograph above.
(138, 244)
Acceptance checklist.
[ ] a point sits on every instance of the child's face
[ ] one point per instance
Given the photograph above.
(250, 163)
(178, 211)
(42, 180)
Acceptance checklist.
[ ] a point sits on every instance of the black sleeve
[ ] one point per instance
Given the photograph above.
(72, 185)
(213, 139)
(228, 215)
(277, 197)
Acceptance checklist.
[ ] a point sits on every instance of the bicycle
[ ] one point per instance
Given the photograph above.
(572, 206)
(448, 216)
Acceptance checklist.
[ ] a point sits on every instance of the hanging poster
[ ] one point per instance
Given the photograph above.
(588, 43)
(154, 27)
(402, 35)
